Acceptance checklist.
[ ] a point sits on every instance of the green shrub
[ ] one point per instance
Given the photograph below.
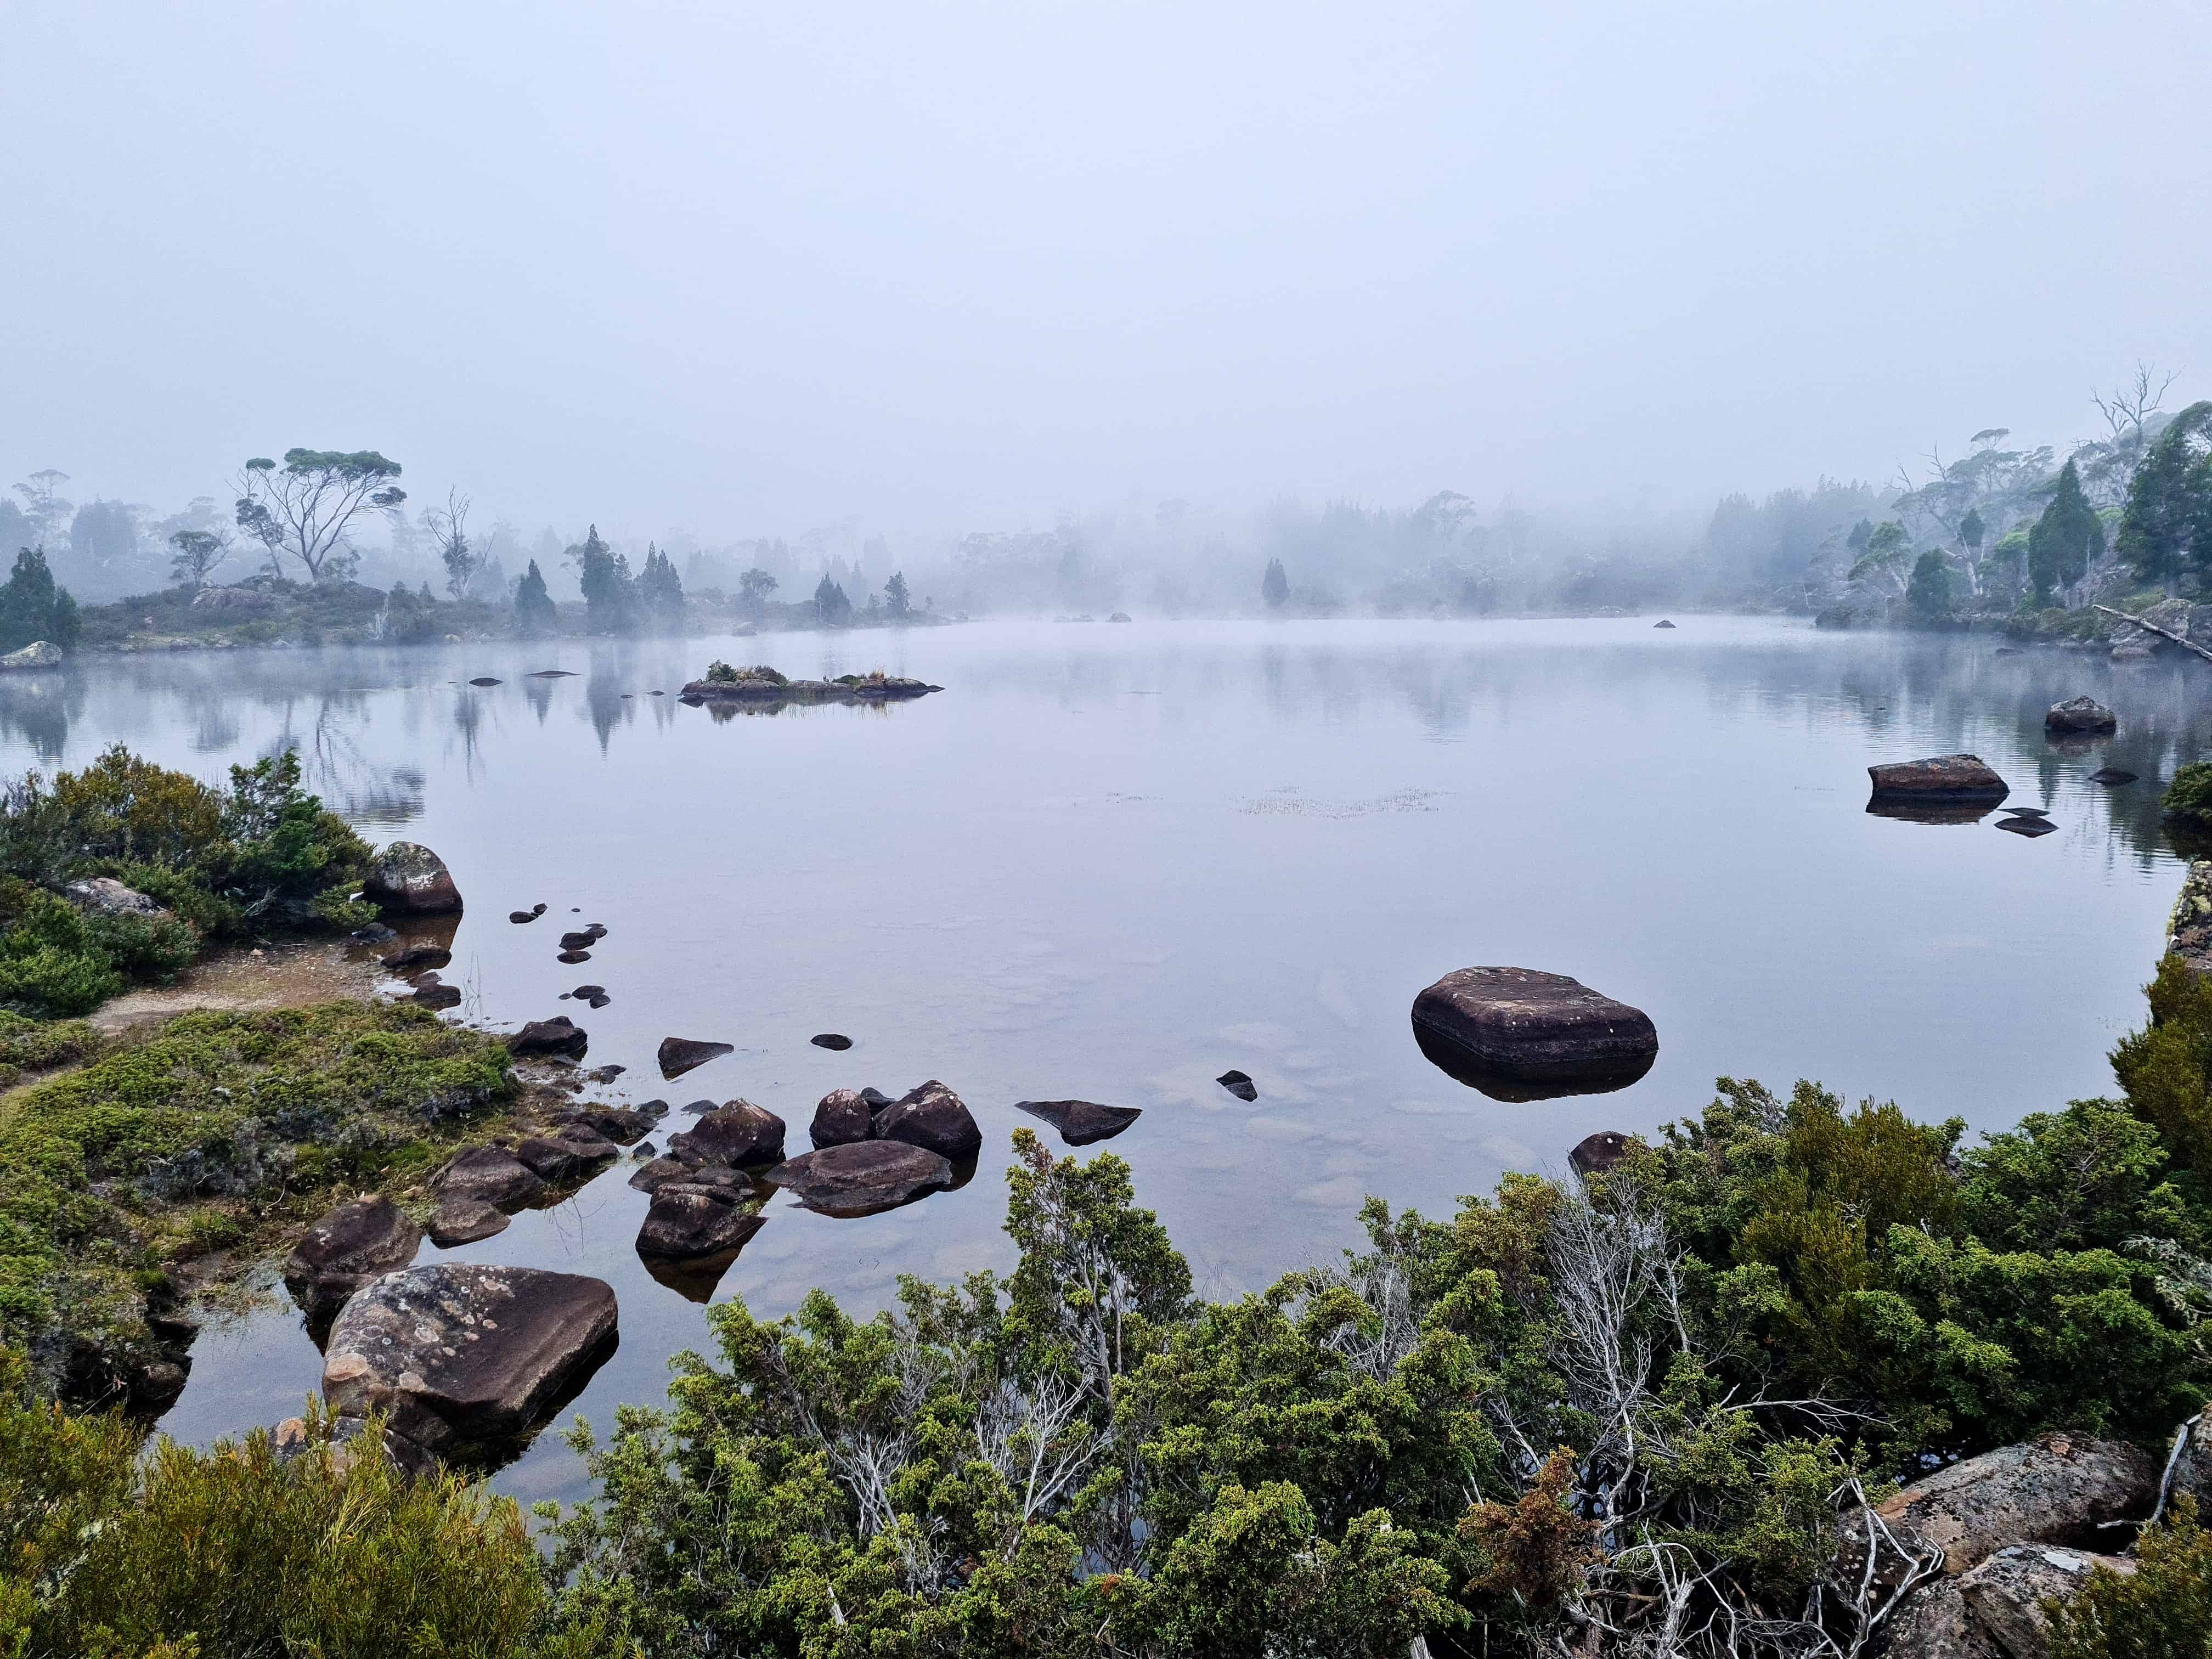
(31, 1045)
(2163, 1610)
(2189, 797)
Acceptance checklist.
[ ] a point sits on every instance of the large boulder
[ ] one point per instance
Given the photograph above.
(557, 1036)
(1946, 778)
(2188, 928)
(411, 878)
(688, 1220)
(348, 1247)
(932, 1118)
(243, 600)
(841, 1117)
(489, 1175)
(737, 1132)
(1529, 1027)
(459, 1354)
(2056, 1489)
(1082, 1121)
(2007, 1592)
(103, 895)
(862, 1178)
(1936, 1623)
(38, 653)
(680, 1055)
(1594, 1154)
(2080, 714)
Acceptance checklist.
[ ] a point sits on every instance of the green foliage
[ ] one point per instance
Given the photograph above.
(2067, 539)
(305, 509)
(2163, 1068)
(897, 600)
(1275, 584)
(534, 612)
(833, 607)
(2163, 1610)
(2189, 797)
(660, 591)
(2167, 525)
(33, 1045)
(1887, 557)
(1928, 592)
(247, 1115)
(32, 607)
(194, 555)
(720, 674)
(611, 599)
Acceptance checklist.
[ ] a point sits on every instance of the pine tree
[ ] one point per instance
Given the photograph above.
(1275, 586)
(33, 608)
(533, 606)
(610, 590)
(2167, 524)
(660, 591)
(2069, 538)
(1928, 592)
(895, 595)
(832, 607)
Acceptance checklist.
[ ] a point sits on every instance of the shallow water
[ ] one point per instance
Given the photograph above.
(1111, 862)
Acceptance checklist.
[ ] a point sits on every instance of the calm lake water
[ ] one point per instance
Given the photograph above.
(1110, 862)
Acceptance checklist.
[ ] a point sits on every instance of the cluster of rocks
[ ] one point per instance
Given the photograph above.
(749, 686)
(705, 1205)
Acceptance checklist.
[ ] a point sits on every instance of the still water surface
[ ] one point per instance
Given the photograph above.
(1112, 862)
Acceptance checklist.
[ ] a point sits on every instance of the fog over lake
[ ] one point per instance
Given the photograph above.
(1112, 862)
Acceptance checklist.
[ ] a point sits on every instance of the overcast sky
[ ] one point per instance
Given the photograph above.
(751, 268)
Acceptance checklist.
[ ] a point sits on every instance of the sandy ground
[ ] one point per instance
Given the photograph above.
(267, 976)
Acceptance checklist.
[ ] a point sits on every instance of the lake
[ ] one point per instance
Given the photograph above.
(1112, 861)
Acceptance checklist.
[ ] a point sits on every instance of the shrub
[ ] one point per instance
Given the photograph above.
(2164, 1608)
(2189, 797)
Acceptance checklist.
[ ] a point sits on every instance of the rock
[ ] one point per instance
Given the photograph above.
(1594, 1154)
(232, 598)
(460, 1355)
(489, 1175)
(738, 1132)
(1536, 1028)
(583, 940)
(567, 1157)
(154, 1387)
(841, 1118)
(653, 1109)
(486, 680)
(375, 933)
(1119, 616)
(1944, 778)
(2056, 1489)
(658, 1172)
(413, 878)
(1936, 1623)
(351, 1245)
(1663, 623)
(2189, 927)
(531, 915)
(437, 996)
(586, 992)
(876, 1099)
(862, 1178)
(553, 674)
(644, 1150)
(687, 1221)
(2112, 776)
(1081, 1121)
(1239, 1084)
(2080, 714)
(38, 653)
(2007, 1591)
(574, 957)
(680, 1055)
(416, 956)
(830, 1040)
(2025, 813)
(620, 1124)
(291, 1440)
(557, 1036)
(103, 895)
(603, 1074)
(2030, 827)
(464, 1221)
(933, 1118)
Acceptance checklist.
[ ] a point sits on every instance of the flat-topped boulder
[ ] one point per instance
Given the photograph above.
(1945, 778)
(353, 1244)
(933, 1118)
(862, 1178)
(488, 1174)
(1527, 1026)
(464, 1221)
(1080, 1123)
(735, 1133)
(459, 1354)
(689, 1220)
(557, 1036)
(411, 878)
(2081, 714)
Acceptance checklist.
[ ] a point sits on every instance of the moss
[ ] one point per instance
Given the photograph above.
(212, 1130)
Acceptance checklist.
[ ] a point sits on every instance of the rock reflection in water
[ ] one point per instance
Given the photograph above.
(1453, 1061)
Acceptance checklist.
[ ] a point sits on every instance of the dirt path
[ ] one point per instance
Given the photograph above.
(267, 976)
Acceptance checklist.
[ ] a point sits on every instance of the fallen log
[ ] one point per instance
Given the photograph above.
(2152, 627)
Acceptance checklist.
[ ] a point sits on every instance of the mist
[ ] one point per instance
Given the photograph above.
(705, 277)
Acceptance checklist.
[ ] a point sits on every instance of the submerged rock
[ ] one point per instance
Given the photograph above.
(411, 877)
(1238, 1084)
(1080, 1123)
(863, 1178)
(2112, 776)
(933, 1118)
(460, 1355)
(490, 1175)
(1942, 777)
(350, 1246)
(1525, 1026)
(2080, 714)
(416, 956)
(680, 1055)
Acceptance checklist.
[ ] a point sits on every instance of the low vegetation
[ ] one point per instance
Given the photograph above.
(263, 856)
(177, 1155)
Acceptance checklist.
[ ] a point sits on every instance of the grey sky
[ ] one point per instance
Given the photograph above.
(751, 268)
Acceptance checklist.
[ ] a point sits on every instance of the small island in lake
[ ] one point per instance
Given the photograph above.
(761, 683)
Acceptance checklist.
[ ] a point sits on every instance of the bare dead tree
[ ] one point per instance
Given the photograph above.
(449, 532)
(2128, 406)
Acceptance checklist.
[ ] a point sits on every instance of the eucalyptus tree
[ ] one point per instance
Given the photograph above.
(194, 555)
(304, 508)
